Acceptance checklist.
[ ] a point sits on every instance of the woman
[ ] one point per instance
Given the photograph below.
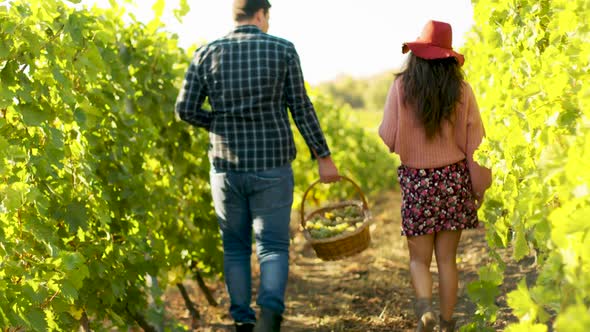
(431, 120)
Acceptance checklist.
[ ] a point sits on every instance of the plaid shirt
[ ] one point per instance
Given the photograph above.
(250, 79)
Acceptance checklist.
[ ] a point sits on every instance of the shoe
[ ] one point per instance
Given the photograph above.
(269, 321)
(425, 315)
(244, 327)
(447, 325)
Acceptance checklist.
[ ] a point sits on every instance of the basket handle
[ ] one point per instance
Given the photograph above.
(356, 186)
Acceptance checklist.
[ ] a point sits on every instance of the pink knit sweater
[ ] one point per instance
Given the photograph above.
(403, 133)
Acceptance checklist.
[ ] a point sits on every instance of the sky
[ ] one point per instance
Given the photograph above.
(332, 37)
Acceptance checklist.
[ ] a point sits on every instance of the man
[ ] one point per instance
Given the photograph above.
(251, 78)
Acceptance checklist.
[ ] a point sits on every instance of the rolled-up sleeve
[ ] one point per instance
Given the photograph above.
(388, 127)
(302, 109)
(192, 96)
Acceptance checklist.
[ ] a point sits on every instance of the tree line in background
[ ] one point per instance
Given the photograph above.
(362, 94)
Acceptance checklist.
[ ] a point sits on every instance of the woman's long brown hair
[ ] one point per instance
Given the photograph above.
(432, 88)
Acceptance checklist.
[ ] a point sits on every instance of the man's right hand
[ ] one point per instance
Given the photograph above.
(328, 171)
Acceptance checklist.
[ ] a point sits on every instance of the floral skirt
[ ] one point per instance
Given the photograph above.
(436, 199)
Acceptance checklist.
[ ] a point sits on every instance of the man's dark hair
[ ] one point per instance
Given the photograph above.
(245, 9)
(433, 89)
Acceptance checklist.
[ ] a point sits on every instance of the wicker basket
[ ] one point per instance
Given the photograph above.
(342, 245)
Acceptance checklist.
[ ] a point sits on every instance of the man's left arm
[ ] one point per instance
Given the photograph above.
(191, 98)
(307, 121)
(302, 109)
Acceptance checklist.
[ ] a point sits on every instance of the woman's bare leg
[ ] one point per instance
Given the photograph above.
(445, 248)
(421, 248)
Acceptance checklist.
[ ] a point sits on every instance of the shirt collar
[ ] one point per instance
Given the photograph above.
(250, 28)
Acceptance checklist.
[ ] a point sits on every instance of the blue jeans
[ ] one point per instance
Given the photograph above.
(259, 201)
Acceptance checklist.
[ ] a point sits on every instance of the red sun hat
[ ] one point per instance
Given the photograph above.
(436, 42)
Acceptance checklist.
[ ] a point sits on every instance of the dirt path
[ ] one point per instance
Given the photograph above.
(368, 292)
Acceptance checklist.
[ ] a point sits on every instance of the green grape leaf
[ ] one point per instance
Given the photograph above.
(183, 9)
(492, 273)
(69, 290)
(574, 319)
(76, 216)
(36, 319)
(482, 291)
(158, 8)
(33, 116)
(521, 246)
(522, 304)
(526, 327)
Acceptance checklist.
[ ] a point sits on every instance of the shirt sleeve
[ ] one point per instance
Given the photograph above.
(388, 127)
(192, 96)
(481, 177)
(302, 109)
